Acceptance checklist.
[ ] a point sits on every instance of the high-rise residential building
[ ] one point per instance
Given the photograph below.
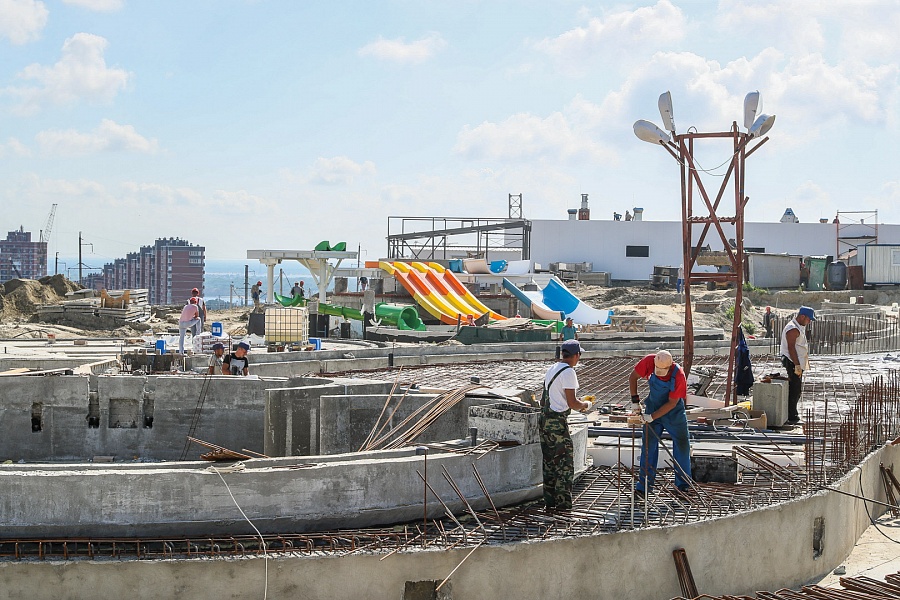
(169, 269)
(20, 258)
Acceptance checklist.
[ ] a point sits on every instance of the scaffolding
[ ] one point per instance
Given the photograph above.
(854, 228)
(443, 238)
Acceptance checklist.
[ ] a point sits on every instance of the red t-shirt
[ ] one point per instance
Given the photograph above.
(645, 368)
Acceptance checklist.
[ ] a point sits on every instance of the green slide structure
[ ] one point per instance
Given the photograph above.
(401, 316)
(327, 247)
(288, 301)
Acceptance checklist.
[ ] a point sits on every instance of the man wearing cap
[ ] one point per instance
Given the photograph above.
(795, 358)
(298, 290)
(568, 331)
(557, 401)
(663, 410)
(254, 293)
(217, 359)
(237, 363)
(201, 305)
(189, 319)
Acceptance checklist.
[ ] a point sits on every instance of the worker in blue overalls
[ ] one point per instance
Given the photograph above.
(663, 410)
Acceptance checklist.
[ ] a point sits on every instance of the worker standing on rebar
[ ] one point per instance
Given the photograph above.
(795, 358)
(662, 410)
(557, 401)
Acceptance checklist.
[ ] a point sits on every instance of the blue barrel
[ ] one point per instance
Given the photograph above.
(216, 329)
(316, 343)
(161, 346)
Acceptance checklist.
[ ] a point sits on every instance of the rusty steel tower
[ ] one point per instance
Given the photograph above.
(702, 212)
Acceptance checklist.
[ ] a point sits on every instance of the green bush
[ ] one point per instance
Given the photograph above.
(748, 287)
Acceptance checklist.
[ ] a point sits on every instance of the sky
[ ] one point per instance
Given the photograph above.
(276, 124)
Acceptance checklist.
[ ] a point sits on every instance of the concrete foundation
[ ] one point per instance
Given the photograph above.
(780, 540)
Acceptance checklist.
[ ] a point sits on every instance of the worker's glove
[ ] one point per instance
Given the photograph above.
(647, 418)
(589, 400)
(636, 404)
(798, 371)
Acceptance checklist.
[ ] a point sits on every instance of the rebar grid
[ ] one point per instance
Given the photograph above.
(603, 496)
(852, 588)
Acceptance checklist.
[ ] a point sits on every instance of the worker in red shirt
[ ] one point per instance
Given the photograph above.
(663, 409)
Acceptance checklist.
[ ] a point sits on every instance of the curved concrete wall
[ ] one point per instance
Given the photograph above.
(763, 549)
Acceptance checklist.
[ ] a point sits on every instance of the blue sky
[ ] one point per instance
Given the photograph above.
(278, 124)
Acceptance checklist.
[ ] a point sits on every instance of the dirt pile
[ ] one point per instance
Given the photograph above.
(19, 298)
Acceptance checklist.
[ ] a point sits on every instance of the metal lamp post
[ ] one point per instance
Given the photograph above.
(707, 217)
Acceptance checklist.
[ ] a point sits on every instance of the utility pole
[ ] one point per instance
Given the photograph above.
(56, 264)
(79, 258)
(246, 283)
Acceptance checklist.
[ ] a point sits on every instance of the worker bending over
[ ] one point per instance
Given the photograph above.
(662, 410)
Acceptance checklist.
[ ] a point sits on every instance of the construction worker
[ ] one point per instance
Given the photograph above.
(298, 290)
(663, 409)
(255, 291)
(201, 304)
(557, 401)
(189, 319)
(768, 319)
(217, 359)
(569, 332)
(795, 358)
(237, 363)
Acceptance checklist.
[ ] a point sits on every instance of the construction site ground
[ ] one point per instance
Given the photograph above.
(19, 300)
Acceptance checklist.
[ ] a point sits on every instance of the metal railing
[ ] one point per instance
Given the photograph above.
(844, 334)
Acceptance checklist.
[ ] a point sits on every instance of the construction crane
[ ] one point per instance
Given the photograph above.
(45, 233)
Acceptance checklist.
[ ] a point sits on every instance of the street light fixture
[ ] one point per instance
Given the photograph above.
(693, 190)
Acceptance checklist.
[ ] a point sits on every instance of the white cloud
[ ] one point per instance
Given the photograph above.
(338, 170)
(13, 147)
(399, 51)
(858, 29)
(164, 196)
(22, 21)
(80, 74)
(98, 5)
(108, 136)
(527, 136)
(791, 26)
(618, 35)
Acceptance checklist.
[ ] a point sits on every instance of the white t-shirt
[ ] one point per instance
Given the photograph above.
(567, 380)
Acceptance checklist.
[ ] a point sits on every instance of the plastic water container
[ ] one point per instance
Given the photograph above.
(316, 343)
(161, 346)
(216, 329)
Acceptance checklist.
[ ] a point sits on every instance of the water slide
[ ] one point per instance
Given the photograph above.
(556, 298)
(398, 315)
(438, 291)
(288, 301)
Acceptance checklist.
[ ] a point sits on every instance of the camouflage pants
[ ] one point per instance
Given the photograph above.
(558, 459)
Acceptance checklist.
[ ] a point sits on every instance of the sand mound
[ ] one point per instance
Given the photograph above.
(19, 298)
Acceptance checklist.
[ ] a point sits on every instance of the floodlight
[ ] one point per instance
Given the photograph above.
(762, 125)
(665, 111)
(649, 132)
(752, 105)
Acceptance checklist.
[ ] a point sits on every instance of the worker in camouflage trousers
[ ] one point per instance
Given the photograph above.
(557, 401)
